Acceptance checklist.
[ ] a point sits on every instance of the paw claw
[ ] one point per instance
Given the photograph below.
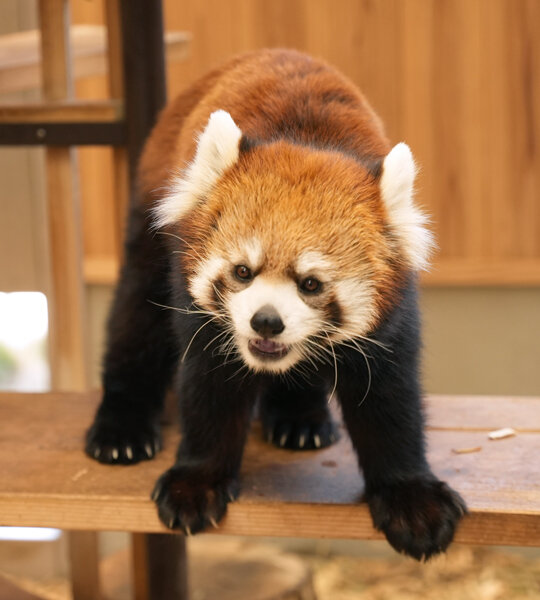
(300, 434)
(123, 444)
(190, 499)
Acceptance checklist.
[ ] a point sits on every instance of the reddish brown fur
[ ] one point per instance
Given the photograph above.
(320, 199)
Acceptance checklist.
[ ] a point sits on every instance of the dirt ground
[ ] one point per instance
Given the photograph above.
(464, 573)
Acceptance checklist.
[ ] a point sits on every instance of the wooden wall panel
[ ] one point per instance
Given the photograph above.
(459, 80)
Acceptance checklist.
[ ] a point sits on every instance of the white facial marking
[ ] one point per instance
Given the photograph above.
(313, 262)
(200, 285)
(356, 300)
(407, 220)
(251, 252)
(299, 319)
(217, 150)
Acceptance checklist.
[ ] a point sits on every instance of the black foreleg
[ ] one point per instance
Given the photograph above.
(215, 410)
(417, 512)
(141, 352)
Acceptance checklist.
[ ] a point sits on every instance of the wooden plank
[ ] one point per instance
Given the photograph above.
(49, 482)
(483, 413)
(487, 272)
(20, 55)
(66, 110)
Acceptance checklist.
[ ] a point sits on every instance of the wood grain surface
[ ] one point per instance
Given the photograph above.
(48, 481)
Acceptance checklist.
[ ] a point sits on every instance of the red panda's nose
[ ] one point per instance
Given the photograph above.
(267, 322)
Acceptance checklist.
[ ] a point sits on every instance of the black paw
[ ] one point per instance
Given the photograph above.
(418, 517)
(188, 500)
(122, 443)
(300, 434)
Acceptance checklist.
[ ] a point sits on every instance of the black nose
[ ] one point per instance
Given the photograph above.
(267, 322)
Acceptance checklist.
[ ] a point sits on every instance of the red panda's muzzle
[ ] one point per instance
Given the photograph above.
(267, 349)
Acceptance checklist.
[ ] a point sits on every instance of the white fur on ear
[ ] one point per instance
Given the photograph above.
(217, 150)
(407, 221)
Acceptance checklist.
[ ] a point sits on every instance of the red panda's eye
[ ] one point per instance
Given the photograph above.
(243, 273)
(310, 285)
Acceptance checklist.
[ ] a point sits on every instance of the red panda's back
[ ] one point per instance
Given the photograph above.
(271, 94)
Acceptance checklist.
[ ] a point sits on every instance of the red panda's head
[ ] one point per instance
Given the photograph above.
(292, 248)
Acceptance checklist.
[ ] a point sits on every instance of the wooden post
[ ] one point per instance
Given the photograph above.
(116, 90)
(67, 339)
(159, 560)
(160, 567)
(68, 355)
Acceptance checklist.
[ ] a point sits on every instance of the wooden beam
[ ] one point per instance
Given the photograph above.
(72, 111)
(63, 134)
(487, 272)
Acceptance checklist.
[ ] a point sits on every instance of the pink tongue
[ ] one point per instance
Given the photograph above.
(267, 345)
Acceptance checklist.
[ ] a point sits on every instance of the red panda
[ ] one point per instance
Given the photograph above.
(277, 224)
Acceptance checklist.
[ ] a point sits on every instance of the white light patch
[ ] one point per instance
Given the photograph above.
(29, 534)
(299, 319)
(408, 222)
(200, 285)
(217, 150)
(313, 263)
(23, 318)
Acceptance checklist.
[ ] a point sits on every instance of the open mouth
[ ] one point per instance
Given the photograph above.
(267, 349)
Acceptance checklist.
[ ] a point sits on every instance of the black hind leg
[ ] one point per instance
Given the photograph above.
(297, 418)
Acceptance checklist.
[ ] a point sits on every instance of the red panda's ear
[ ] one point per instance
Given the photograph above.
(217, 150)
(407, 221)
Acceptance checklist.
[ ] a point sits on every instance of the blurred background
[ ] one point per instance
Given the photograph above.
(458, 80)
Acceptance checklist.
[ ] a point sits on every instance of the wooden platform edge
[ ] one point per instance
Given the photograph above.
(350, 521)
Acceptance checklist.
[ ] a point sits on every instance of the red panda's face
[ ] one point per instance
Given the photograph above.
(290, 248)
